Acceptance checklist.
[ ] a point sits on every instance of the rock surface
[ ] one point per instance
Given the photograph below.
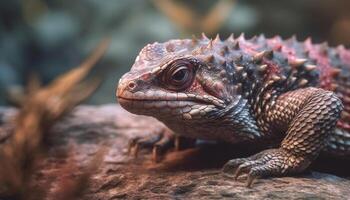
(187, 174)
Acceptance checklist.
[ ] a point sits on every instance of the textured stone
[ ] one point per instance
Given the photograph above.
(188, 174)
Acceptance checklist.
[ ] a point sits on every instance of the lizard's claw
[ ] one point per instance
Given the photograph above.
(272, 162)
(158, 142)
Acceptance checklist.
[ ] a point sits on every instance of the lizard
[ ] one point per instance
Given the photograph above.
(257, 90)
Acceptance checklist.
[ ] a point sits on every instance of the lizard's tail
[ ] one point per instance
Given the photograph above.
(339, 143)
(339, 140)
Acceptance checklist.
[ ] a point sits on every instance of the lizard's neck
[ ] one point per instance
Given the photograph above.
(241, 122)
(232, 124)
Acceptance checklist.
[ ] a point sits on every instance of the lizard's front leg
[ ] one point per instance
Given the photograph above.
(309, 116)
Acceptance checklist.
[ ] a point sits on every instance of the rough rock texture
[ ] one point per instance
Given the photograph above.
(188, 174)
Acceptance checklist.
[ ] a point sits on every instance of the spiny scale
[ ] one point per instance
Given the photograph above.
(272, 64)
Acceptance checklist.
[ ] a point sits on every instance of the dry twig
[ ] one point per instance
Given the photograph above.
(41, 108)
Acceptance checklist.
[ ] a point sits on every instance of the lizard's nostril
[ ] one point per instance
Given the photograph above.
(132, 85)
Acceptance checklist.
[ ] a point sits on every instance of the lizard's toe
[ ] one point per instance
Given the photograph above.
(272, 162)
(246, 167)
(142, 142)
(233, 164)
(159, 142)
(161, 146)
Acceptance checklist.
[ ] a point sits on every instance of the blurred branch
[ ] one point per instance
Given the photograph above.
(216, 17)
(17, 95)
(190, 21)
(41, 108)
(178, 13)
(340, 32)
(65, 83)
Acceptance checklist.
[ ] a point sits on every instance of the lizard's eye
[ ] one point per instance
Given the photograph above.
(178, 75)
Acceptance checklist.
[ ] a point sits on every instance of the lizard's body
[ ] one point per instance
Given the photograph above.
(257, 90)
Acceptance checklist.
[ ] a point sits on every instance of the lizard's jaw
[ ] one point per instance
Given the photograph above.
(162, 104)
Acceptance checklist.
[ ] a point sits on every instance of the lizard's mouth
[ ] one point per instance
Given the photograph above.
(171, 98)
(162, 96)
(167, 109)
(149, 103)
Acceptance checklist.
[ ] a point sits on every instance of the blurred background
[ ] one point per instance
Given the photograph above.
(48, 37)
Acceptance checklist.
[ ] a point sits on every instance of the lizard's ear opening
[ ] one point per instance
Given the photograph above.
(178, 75)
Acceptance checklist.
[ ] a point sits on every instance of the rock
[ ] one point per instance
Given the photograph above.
(188, 174)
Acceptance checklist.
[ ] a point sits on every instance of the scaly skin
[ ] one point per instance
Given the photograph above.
(257, 90)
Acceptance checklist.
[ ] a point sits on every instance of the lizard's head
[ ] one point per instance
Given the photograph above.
(180, 80)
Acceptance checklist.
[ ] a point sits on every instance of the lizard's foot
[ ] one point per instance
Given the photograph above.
(272, 162)
(159, 142)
